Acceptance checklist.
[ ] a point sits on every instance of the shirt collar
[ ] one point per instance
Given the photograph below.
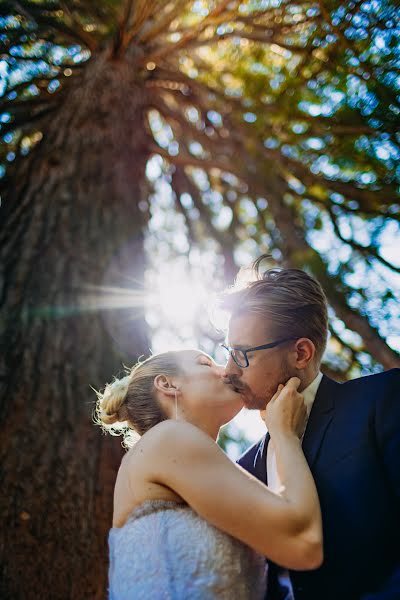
(310, 392)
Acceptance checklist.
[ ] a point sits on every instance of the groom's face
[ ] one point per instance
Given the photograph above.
(258, 382)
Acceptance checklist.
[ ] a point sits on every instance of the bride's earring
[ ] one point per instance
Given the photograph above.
(176, 405)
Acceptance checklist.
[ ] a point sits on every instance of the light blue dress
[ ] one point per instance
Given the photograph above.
(165, 551)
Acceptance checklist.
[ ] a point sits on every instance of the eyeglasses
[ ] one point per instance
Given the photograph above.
(240, 357)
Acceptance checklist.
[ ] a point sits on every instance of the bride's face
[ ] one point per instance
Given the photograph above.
(203, 388)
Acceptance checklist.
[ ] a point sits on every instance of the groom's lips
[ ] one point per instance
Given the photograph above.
(233, 386)
(238, 388)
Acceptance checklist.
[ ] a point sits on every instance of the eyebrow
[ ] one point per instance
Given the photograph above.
(239, 346)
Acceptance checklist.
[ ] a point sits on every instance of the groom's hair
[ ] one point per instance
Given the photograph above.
(291, 302)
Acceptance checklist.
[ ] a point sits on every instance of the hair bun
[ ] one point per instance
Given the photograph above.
(111, 401)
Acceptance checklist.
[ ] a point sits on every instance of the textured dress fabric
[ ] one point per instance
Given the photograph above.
(166, 551)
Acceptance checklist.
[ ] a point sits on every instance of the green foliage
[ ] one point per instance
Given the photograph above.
(231, 438)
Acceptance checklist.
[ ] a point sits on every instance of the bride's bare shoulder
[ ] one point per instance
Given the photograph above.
(174, 434)
(170, 428)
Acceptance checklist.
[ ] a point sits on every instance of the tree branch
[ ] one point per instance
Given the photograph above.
(364, 250)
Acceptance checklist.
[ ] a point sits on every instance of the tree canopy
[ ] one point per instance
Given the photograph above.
(276, 122)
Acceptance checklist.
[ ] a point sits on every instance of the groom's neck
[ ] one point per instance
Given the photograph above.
(308, 375)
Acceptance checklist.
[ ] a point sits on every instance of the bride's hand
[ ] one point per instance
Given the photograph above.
(286, 412)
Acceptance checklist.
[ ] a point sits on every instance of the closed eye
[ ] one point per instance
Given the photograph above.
(204, 360)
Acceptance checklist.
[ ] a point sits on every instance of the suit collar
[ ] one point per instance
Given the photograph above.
(326, 394)
(310, 392)
(318, 422)
(320, 418)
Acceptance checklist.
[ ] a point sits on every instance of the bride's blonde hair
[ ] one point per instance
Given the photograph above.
(128, 406)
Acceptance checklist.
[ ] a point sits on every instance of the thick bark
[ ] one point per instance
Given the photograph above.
(72, 220)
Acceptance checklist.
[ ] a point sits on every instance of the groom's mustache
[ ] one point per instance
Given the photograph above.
(237, 385)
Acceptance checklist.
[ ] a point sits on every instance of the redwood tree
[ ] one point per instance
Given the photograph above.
(221, 93)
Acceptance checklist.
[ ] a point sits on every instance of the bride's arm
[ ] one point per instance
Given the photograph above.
(286, 528)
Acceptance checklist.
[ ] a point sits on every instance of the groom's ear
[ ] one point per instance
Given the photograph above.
(164, 384)
(304, 352)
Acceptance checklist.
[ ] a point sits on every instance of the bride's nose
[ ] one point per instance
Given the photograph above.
(223, 375)
(220, 370)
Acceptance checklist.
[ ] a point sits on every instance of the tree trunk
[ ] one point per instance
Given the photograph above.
(73, 221)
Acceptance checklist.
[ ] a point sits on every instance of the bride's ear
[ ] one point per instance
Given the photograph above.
(163, 383)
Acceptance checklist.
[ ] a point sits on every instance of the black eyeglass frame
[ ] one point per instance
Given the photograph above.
(246, 350)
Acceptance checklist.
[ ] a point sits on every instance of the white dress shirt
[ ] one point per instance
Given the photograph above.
(273, 478)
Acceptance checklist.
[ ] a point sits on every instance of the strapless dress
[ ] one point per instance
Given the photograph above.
(165, 550)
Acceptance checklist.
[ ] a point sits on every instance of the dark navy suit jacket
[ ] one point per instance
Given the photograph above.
(352, 444)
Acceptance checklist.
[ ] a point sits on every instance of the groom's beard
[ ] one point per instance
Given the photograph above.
(253, 401)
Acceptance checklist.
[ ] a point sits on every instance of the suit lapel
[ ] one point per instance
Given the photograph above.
(260, 460)
(320, 417)
(318, 422)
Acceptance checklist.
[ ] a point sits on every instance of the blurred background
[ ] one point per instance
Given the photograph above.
(149, 149)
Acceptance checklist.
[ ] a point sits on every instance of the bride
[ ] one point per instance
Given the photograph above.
(188, 522)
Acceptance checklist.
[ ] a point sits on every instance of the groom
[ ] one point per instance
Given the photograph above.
(278, 328)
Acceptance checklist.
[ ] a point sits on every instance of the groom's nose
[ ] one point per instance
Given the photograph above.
(231, 370)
